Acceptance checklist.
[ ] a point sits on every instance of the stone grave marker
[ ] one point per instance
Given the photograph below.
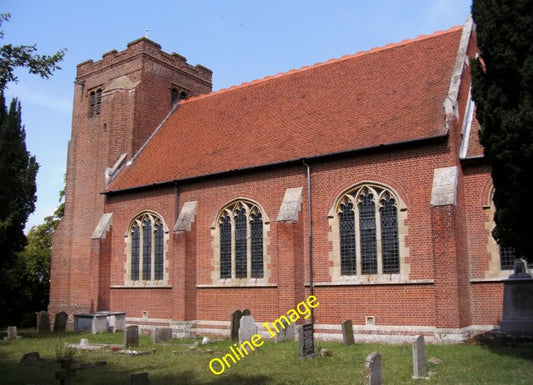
(419, 359)
(286, 334)
(11, 333)
(131, 336)
(31, 357)
(247, 328)
(347, 332)
(373, 369)
(139, 379)
(162, 335)
(43, 322)
(307, 344)
(60, 323)
(235, 323)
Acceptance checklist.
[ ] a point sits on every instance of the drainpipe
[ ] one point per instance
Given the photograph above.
(310, 232)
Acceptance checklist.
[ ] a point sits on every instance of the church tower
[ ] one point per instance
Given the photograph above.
(118, 102)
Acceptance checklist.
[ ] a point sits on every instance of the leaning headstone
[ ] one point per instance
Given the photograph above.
(286, 334)
(162, 335)
(347, 332)
(307, 343)
(246, 312)
(373, 369)
(131, 336)
(247, 328)
(139, 379)
(235, 323)
(419, 358)
(11, 333)
(60, 323)
(43, 322)
(30, 358)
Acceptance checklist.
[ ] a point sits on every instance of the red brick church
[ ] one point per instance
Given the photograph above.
(360, 179)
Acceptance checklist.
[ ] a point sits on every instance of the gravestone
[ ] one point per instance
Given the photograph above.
(43, 322)
(517, 314)
(11, 333)
(419, 358)
(247, 328)
(162, 335)
(139, 379)
(31, 357)
(131, 336)
(307, 344)
(286, 334)
(246, 312)
(347, 332)
(60, 323)
(373, 369)
(235, 323)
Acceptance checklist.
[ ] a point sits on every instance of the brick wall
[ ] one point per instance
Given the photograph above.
(136, 96)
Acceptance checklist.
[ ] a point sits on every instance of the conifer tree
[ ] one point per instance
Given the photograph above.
(502, 88)
(22, 275)
(17, 175)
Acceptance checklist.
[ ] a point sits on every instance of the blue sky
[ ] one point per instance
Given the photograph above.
(239, 40)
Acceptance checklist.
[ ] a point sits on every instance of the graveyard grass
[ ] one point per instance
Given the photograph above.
(272, 364)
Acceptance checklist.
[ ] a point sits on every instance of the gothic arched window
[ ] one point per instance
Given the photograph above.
(147, 248)
(368, 231)
(241, 230)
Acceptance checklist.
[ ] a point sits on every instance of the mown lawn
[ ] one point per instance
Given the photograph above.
(271, 364)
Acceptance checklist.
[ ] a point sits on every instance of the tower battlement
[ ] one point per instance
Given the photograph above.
(144, 46)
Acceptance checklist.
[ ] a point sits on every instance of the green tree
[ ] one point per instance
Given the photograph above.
(18, 169)
(30, 274)
(12, 57)
(502, 87)
(17, 175)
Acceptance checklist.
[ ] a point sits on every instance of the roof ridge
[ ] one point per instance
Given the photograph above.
(327, 62)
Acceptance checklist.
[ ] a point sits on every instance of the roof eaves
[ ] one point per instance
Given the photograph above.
(320, 157)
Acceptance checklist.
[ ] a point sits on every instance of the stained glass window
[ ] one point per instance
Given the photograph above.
(241, 241)
(241, 251)
(225, 247)
(389, 235)
(347, 238)
(368, 231)
(257, 245)
(147, 242)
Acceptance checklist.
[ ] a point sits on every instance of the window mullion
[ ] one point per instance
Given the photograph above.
(152, 252)
(357, 238)
(141, 248)
(248, 245)
(233, 246)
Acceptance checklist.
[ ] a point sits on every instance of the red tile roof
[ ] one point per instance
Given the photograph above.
(383, 96)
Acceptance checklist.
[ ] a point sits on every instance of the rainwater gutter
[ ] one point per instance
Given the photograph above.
(263, 167)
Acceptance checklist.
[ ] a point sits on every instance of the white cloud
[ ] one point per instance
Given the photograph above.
(40, 98)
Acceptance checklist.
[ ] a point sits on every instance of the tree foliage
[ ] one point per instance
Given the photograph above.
(12, 57)
(17, 175)
(502, 87)
(30, 274)
(24, 272)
